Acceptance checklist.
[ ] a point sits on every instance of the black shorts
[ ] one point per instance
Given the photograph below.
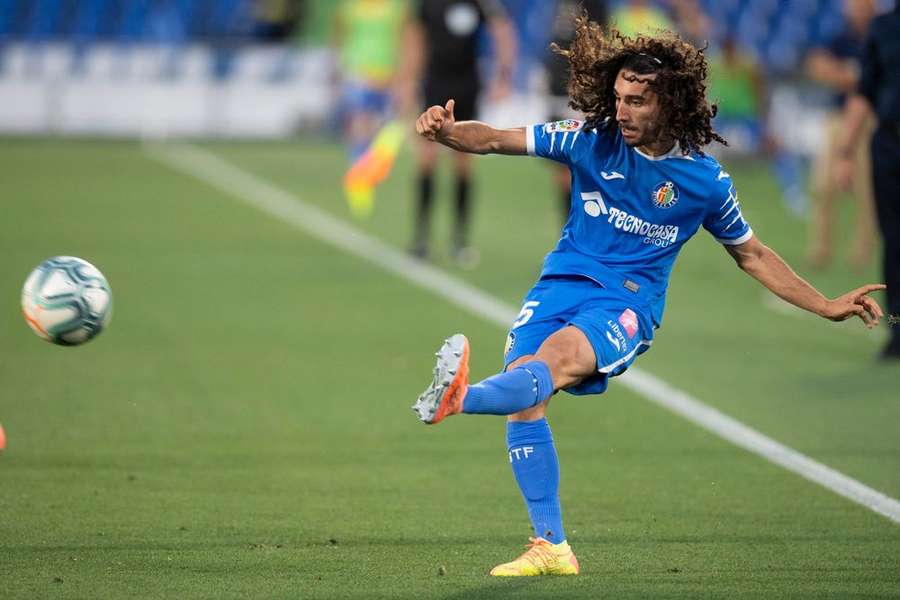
(464, 92)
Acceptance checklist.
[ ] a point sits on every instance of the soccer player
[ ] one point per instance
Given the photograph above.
(836, 65)
(641, 187)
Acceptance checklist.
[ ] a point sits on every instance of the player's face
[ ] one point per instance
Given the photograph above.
(637, 108)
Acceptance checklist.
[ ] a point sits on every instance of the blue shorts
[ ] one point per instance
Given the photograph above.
(619, 328)
(359, 96)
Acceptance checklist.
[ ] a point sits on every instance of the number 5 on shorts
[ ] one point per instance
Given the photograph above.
(525, 314)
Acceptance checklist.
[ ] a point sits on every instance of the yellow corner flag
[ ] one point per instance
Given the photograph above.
(372, 168)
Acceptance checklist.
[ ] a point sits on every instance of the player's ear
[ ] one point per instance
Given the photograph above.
(449, 107)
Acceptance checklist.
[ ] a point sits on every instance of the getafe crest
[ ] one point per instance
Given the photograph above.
(562, 126)
(665, 195)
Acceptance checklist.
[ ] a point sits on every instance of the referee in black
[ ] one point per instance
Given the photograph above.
(879, 92)
(441, 52)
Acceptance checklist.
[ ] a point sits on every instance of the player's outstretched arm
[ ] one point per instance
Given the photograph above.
(438, 125)
(761, 262)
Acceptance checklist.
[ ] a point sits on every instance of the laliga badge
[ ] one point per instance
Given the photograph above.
(563, 126)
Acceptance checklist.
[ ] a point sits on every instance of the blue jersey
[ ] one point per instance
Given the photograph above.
(631, 213)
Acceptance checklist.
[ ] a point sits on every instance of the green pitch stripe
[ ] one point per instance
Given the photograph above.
(286, 207)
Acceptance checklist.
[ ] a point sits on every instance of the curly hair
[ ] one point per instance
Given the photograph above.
(596, 56)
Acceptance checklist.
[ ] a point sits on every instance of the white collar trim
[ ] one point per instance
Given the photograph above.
(675, 152)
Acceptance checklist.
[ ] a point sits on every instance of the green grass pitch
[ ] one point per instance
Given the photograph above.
(243, 427)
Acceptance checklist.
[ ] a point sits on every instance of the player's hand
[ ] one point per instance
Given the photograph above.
(843, 173)
(436, 123)
(856, 303)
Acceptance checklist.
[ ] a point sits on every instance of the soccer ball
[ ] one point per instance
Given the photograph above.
(66, 300)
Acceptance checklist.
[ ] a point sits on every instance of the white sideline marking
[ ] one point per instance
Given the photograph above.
(283, 205)
(680, 403)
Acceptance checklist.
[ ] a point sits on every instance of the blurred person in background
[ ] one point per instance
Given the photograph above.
(557, 68)
(646, 17)
(691, 21)
(368, 34)
(634, 17)
(835, 65)
(738, 83)
(441, 51)
(878, 94)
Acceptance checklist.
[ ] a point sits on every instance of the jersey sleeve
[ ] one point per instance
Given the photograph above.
(724, 219)
(562, 141)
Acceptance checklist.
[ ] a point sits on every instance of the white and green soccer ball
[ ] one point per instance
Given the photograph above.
(66, 300)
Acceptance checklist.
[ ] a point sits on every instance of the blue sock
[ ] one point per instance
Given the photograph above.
(510, 392)
(536, 467)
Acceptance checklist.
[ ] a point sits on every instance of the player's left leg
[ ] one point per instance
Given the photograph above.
(503, 394)
(564, 359)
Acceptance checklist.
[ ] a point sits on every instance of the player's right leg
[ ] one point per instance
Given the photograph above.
(541, 558)
(535, 466)
(535, 463)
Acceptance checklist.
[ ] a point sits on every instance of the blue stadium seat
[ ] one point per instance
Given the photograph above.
(8, 13)
(133, 21)
(779, 31)
(89, 21)
(42, 20)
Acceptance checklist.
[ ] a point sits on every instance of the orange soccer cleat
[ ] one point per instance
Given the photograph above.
(451, 380)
